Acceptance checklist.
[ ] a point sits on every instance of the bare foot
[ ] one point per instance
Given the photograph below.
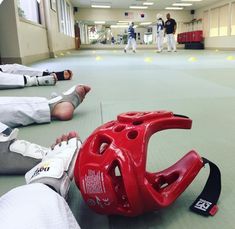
(68, 75)
(64, 75)
(64, 110)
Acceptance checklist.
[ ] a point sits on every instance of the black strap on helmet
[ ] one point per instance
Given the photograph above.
(206, 202)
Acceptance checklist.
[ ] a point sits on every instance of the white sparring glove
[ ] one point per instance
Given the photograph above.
(56, 168)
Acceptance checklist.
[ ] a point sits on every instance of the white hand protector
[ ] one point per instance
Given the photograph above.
(56, 168)
(18, 156)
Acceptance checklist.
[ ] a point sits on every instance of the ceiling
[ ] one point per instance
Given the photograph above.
(124, 4)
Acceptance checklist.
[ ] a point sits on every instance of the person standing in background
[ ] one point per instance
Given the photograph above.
(170, 30)
(160, 32)
(131, 38)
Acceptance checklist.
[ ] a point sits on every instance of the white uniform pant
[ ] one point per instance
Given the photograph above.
(2, 127)
(35, 206)
(9, 80)
(131, 43)
(171, 42)
(16, 111)
(160, 38)
(21, 70)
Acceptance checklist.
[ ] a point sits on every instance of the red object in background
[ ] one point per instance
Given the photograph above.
(197, 36)
(111, 167)
(189, 37)
(179, 38)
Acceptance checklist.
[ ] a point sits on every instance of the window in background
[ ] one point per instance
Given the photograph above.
(233, 19)
(223, 20)
(206, 23)
(29, 10)
(214, 22)
(65, 17)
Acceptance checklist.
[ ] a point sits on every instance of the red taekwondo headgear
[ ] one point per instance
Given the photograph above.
(111, 168)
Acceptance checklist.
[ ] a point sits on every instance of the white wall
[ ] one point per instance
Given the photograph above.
(23, 41)
(60, 41)
(118, 14)
(224, 42)
(9, 46)
(32, 41)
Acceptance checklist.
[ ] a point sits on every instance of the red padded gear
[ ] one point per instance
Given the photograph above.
(111, 167)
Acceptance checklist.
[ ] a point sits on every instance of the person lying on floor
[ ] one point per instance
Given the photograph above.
(41, 202)
(17, 111)
(12, 81)
(24, 70)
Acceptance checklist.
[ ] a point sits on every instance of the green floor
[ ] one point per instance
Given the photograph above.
(199, 84)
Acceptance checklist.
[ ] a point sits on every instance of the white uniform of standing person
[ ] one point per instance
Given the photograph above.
(160, 32)
(170, 30)
(36, 205)
(131, 38)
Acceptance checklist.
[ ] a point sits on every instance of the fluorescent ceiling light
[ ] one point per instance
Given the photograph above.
(148, 3)
(145, 23)
(123, 21)
(182, 4)
(100, 6)
(138, 7)
(174, 8)
(119, 26)
(1, 2)
(99, 22)
(191, 0)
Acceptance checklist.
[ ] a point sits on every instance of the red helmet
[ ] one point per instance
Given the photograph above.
(111, 167)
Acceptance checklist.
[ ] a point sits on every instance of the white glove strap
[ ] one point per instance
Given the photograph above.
(56, 168)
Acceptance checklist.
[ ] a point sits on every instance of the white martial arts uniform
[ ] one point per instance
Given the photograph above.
(171, 43)
(35, 206)
(16, 111)
(131, 43)
(160, 34)
(2, 127)
(21, 70)
(9, 80)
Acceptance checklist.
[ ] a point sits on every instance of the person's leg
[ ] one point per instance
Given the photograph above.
(168, 42)
(35, 206)
(133, 43)
(161, 33)
(62, 75)
(62, 108)
(49, 80)
(29, 71)
(8, 81)
(17, 111)
(21, 70)
(128, 45)
(159, 42)
(28, 110)
(173, 42)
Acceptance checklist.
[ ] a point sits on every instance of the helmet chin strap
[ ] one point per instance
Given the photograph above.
(205, 204)
(111, 168)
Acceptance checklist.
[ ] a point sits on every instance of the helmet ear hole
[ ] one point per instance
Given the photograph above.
(118, 184)
(101, 144)
(103, 147)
